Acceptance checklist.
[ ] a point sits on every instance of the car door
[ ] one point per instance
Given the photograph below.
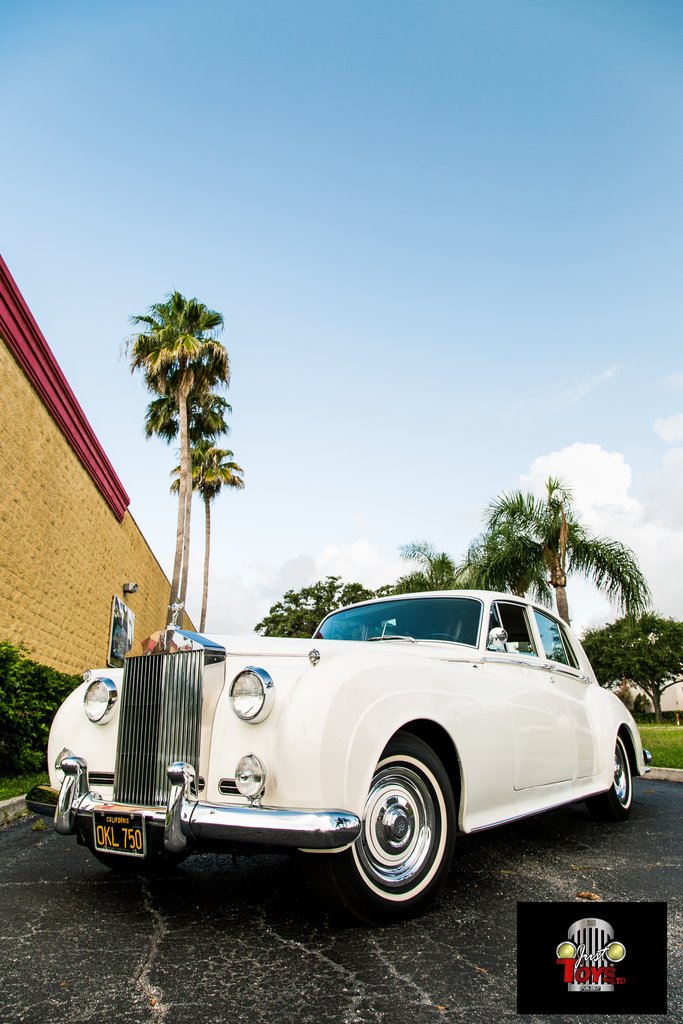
(543, 738)
(574, 685)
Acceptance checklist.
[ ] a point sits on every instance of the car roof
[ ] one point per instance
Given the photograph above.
(480, 595)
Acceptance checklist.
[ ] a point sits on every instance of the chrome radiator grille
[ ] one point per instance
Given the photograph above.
(159, 722)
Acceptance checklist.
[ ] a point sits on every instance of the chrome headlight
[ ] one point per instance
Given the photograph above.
(100, 700)
(250, 776)
(252, 694)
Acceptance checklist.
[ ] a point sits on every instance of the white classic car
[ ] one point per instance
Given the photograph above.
(404, 721)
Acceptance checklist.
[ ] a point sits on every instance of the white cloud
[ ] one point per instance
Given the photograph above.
(670, 428)
(237, 601)
(358, 562)
(674, 382)
(599, 480)
(664, 490)
(584, 387)
(601, 484)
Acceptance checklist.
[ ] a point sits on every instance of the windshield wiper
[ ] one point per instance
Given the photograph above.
(392, 636)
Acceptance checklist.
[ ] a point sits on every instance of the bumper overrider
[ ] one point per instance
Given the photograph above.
(186, 820)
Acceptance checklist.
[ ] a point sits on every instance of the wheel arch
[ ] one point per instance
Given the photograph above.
(624, 733)
(441, 742)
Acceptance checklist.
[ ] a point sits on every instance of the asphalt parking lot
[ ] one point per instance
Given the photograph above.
(241, 941)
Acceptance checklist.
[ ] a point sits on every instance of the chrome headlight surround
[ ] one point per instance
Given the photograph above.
(99, 700)
(252, 694)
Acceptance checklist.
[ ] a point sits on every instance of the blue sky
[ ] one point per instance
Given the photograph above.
(445, 237)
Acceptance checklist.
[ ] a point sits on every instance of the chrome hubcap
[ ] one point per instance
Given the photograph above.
(398, 826)
(621, 780)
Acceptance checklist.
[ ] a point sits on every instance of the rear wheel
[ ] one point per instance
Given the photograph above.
(401, 859)
(615, 804)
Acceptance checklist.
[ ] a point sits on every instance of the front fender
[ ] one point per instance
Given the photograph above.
(72, 729)
(333, 736)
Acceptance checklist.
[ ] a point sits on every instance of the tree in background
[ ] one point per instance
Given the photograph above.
(212, 469)
(435, 570)
(300, 612)
(179, 355)
(526, 537)
(647, 651)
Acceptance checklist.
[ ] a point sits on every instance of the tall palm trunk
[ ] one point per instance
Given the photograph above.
(560, 583)
(180, 527)
(558, 580)
(207, 552)
(179, 581)
(186, 475)
(562, 603)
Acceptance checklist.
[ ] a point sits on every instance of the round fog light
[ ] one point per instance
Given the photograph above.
(250, 776)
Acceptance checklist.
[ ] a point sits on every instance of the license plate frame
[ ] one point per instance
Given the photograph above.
(120, 834)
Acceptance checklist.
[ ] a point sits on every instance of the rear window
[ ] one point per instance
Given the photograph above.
(555, 641)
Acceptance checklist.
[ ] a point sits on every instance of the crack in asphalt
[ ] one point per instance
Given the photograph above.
(425, 997)
(152, 993)
(358, 989)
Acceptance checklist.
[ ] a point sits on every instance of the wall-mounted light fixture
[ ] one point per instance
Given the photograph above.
(130, 588)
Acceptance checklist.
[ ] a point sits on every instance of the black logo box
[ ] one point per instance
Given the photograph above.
(541, 987)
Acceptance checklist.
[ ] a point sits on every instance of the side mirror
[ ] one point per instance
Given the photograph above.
(497, 639)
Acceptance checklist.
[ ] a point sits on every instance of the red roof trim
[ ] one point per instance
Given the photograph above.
(32, 352)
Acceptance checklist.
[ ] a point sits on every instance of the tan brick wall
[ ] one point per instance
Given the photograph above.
(63, 554)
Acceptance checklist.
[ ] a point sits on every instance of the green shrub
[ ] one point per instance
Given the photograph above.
(29, 697)
(648, 717)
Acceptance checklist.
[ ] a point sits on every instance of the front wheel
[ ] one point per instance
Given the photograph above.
(615, 804)
(401, 859)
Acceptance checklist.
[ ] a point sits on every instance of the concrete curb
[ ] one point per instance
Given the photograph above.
(13, 808)
(665, 774)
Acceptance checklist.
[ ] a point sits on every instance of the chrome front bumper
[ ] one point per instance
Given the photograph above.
(185, 819)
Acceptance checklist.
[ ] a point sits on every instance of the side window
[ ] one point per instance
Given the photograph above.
(513, 619)
(555, 643)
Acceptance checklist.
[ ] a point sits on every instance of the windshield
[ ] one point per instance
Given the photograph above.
(456, 619)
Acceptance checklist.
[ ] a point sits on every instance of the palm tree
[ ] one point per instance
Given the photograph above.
(212, 469)
(179, 355)
(436, 569)
(205, 417)
(505, 560)
(536, 543)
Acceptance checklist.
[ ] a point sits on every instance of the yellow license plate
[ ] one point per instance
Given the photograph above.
(119, 833)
